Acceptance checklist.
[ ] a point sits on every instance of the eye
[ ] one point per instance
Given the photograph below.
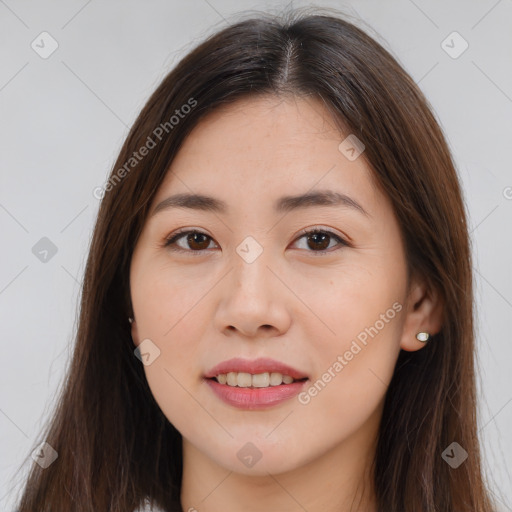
(196, 242)
(319, 239)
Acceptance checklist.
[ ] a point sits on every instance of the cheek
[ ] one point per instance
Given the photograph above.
(174, 376)
(166, 298)
(174, 321)
(169, 314)
(355, 347)
(359, 300)
(353, 373)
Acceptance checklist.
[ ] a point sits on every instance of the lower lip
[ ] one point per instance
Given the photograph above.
(255, 398)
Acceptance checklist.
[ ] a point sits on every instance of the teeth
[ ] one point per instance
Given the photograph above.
(260, 380)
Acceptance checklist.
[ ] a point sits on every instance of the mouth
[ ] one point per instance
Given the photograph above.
(257, 384)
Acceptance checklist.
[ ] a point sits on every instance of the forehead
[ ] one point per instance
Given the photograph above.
(259, 147)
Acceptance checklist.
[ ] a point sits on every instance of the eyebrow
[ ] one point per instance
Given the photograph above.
(282, 205)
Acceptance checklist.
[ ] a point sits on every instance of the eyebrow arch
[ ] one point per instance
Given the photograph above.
(282, 205)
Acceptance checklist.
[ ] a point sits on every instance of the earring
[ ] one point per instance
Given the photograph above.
(130, 319)
(423, 337)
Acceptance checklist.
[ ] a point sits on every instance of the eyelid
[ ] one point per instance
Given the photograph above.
(176, 235)
(343, 241)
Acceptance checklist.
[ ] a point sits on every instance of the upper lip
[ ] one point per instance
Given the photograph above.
(254, 367)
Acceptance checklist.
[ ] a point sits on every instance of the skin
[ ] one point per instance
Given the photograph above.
(290, 304)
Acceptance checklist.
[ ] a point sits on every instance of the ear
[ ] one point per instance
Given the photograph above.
(424, 313)
(135, 332)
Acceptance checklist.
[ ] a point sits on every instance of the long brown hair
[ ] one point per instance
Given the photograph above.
(114, 444)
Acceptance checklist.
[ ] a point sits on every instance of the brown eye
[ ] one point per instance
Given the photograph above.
(319, 240)
(197, 241)
(194, 241)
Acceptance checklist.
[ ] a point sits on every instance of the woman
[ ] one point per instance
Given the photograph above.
(277, 304)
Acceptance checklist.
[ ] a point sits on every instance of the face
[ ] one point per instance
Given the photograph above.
(247, 281)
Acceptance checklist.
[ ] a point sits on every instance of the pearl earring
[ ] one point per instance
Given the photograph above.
(130, 319)
(423, 337)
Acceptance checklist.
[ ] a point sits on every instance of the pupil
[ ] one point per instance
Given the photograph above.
(192, 239)
(323, 236)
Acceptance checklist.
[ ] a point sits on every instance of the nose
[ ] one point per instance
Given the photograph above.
(253, 300)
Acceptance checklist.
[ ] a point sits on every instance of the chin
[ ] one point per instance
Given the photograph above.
(257, 459)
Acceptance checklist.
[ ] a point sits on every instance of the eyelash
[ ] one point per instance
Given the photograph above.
(173, 238)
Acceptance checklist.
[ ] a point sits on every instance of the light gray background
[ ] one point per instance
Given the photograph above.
(63, 120)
